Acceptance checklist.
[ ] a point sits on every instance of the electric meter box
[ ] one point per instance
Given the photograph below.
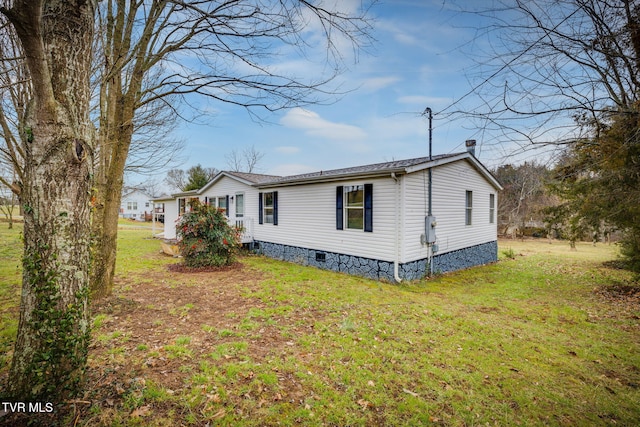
(430, 229)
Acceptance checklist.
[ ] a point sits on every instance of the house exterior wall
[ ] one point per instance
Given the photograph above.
(450, 184)
(170, 217)
(226, 186)
(134, 205)
(306, 230)
(307, 219)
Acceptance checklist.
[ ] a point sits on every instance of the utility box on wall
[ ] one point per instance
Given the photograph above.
(430, 229)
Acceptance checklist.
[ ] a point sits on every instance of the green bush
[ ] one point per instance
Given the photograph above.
(206, 238)
(630, 249)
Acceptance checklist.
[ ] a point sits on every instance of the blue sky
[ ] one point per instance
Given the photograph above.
(418, 61)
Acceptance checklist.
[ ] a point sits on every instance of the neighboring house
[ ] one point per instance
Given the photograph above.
(136, 204)
(367, 220)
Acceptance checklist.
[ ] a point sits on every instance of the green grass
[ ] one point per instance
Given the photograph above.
(540, 338)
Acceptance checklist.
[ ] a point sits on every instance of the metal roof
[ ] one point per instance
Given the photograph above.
(364, 170)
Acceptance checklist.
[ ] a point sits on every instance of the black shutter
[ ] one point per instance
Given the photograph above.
(259, 208)
(227, 206)
(275, 208)
(339, 204)
(368, 207)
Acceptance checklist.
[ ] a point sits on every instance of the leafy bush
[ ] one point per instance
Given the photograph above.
(630, 249)
(206, 238)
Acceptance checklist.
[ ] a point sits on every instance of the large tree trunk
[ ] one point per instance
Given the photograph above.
(117, 109)
(53, 334)
(105, 221)
(116, 133)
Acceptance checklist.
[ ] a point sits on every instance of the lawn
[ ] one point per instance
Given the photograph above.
(548, 336)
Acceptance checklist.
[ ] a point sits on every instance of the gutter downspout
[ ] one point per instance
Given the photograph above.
(396, 261)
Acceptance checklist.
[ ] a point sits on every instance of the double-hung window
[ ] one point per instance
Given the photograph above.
(469, 207)
(268, 208)
(354, 207)
(221, 203)
(239, 205)
(492, 207)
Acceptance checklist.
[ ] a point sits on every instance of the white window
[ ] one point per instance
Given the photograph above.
(354, 206)
(268, 208)
(492, 207)
(239, 205)
(469, 207)
(221, 202)
(132, 206)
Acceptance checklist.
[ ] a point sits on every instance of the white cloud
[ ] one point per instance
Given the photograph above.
(287, 149)
(377, 83)
(404, 38)
(314, 125)
(424, 101)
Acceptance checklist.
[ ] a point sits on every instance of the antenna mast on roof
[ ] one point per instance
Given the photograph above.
(430, 115)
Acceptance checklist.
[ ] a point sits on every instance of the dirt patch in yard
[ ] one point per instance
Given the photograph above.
(158, 328)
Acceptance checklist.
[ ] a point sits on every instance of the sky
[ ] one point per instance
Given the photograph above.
(420, 59)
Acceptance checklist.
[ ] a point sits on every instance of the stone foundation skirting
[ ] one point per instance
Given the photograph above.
(376, 269)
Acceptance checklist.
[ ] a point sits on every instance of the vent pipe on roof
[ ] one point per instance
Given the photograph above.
(471, 146)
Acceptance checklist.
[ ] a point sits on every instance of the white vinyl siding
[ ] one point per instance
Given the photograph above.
(450, 183)
(134, 205)
(307, 218)
(170, 216)
(243, 202)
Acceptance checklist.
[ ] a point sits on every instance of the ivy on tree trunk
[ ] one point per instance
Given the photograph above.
(57, 138)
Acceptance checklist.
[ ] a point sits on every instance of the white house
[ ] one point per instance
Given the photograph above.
(136, 204)
(370, 220)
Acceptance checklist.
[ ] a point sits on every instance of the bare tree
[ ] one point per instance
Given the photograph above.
(523, 197)
(192, 179)
(15, 89)
(566, 73)
(55, 146)
(224, 51)
(8, 197)
(545, 67)
(246, 160)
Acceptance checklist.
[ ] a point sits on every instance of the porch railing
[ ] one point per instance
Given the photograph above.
(246, 223)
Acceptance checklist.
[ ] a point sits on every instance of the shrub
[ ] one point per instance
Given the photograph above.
(630, 249)
(206, 238)
(509, 253)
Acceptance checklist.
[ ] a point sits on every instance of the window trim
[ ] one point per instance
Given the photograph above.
(239, 214)
(468, 220)
(492, 208)
(343, 208)
(262, 208)
(355, 207)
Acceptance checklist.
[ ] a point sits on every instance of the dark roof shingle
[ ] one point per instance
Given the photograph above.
(395, 165)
